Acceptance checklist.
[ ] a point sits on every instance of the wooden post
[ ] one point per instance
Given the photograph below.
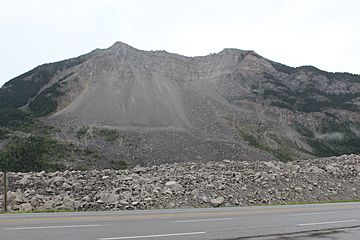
(5, 192)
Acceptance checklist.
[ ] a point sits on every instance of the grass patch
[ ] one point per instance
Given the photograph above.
(260, 205)
(282, 154)
(39, 211)
(253, 141)
(318, 202)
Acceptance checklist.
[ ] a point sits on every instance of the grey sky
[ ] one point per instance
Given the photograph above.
(323, 33)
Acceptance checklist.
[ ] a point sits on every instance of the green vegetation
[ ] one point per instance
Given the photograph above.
(324, 147)
(272, 204)
(20, 90)
(350, 143)
(310, 100)
(119, 164)
(110, 135)
(304, 131)
(347, 77)
(282, 68)
(253, 141)
(330, 75)
(30, 154)
(21, 120)
(318, 202)
(4, 132)
(46, 101)
(281, 153)
(15, 118)
(39, 211)
(17, 92)
(314, 70)
(30, 144)
(82, 132)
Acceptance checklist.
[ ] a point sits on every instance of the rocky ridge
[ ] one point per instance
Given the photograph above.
(182, 185)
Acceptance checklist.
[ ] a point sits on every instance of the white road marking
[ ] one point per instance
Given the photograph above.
(320, 223)
(54, 227)
(155, 236)
(206, 220)
(312, 213)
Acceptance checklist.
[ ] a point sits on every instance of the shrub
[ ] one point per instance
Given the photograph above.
(4, 132)
(109, 135)
(46, 101)
(82, 132)
(14, 118)
(28, 154)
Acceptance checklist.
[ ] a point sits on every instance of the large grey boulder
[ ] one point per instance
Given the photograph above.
(216, 202)
(173, 186)
(25, 207)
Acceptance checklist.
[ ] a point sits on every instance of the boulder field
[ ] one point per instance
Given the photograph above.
(184, 185)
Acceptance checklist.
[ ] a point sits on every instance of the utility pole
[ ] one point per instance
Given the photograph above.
(5, 192)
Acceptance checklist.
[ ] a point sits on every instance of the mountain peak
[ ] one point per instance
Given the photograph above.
(235, 51)
(120, 45)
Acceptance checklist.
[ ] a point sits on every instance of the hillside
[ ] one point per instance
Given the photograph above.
(121, 105)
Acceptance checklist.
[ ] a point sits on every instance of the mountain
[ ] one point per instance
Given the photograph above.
(124, 105)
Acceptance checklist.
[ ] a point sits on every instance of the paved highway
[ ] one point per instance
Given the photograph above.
(316, 221)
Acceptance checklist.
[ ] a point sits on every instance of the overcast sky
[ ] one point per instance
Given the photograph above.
(323, 33)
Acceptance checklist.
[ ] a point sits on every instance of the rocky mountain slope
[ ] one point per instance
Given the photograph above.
(126, 105)
(184, 185)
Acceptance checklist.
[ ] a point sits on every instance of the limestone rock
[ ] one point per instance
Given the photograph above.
(139, 169)
(216, 202)
(187, 185)
(25, 207)
(173, 186)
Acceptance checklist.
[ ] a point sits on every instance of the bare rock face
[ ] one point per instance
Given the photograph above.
(147, 107)
(184, 185)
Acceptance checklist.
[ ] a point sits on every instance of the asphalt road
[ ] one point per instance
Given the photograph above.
(316, 221)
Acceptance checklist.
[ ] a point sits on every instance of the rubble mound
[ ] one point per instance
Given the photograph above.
(188, 185)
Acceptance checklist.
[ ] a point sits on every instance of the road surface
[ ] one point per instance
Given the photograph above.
(315, 221)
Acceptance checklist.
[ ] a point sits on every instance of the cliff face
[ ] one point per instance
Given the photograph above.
(155, 106)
